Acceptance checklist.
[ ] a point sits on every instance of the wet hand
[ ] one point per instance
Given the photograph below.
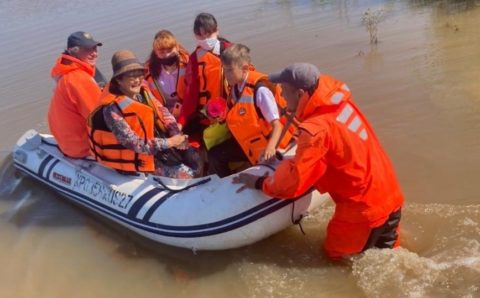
(248, 181)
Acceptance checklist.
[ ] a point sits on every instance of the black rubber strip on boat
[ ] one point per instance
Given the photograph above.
(44, 164)
(132, 213)
(51, 168)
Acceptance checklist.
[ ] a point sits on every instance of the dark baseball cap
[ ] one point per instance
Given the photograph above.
(300, 75)
(82, 39)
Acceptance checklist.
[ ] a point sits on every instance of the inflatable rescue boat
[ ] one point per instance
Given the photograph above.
(200, 214)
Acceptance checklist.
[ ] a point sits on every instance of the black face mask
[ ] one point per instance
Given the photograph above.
(169, 61)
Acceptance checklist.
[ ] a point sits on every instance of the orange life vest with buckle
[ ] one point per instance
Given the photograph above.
(245, 120)
(212, 82)
(105, 146)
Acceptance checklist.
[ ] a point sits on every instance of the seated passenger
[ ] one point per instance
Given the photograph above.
(253, 118)
(76, 94)
(204, 76)
(166, 71)
(132, 132)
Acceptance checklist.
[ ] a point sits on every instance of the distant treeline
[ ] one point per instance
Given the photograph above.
(449, 5)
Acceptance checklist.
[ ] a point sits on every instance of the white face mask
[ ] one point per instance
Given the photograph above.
(208, 43)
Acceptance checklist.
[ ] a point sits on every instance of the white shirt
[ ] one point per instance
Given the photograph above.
(265, 101)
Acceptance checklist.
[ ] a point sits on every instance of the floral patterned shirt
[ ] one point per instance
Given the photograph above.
(188, 169)
(129, 139)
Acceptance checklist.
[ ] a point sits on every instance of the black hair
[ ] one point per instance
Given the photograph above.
(205, 21)
(154, 65)
(114, 87)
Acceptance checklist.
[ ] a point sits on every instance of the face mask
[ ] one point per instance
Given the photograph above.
(208, 43)
(170, 60)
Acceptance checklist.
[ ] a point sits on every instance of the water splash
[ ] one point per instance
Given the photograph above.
(402, 273)
(442, 266)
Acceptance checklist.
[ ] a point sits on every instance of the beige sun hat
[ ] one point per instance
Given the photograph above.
(124, 61)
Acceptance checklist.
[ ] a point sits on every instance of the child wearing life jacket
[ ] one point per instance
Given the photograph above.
(253, 118)
(204, 76)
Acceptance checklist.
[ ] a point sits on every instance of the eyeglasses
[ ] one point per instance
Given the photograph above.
(134, 74)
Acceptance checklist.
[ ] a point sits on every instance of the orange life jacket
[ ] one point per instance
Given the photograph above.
(180, 85)
(338, 152)
(105, 146)
(245, 120)
(204, 80)
(212, 82)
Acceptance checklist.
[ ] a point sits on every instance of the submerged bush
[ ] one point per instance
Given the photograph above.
(371, 19)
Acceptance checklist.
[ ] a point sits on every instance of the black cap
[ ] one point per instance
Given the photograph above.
(299, 75)
(82, 39)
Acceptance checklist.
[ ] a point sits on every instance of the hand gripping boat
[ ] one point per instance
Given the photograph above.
(199, 214)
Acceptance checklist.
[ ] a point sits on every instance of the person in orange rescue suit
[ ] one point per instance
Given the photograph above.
(253, 118)
(204, 76)
(339, 153)
(166, 71)
(76, 94)
(132, 132)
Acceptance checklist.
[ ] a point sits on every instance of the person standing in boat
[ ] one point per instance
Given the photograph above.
(166, 71)
(204, 75)
(132, 132)
(253, 117)
(339, 153)
(76, 94)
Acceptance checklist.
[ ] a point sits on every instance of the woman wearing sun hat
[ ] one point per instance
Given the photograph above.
(132, 132)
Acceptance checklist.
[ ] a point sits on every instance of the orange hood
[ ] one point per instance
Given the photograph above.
(66, 64)
(320, 101)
